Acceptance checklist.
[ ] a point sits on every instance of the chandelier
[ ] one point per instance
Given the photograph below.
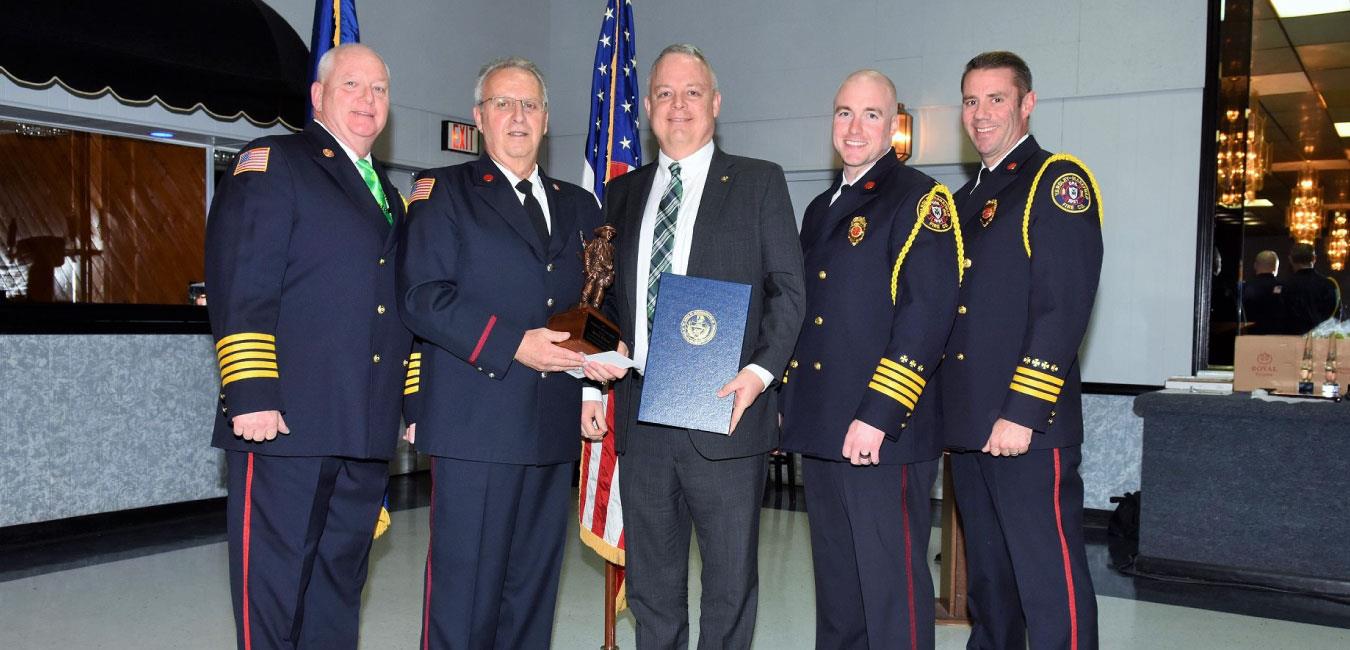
(1305, 207)
(1243, 156)
(1338, 243)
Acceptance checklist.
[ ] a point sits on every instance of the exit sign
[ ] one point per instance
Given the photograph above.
(460, 137)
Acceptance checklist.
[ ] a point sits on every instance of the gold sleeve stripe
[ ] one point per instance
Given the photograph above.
(414, 372)
(415, 356)
(1038, 385)
(415, 364)
(257, 355)
(892, 394)
(247, 345)
(1026, 212)
(410, 390)
(891, 375)
(896, 386)
(904, 371)
(245, 336)
(246, 365)
(249, 374)
(412, 381)
(1036, 374)
(1033, 392)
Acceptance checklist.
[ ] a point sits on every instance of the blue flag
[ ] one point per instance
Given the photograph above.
(334, 24)
(613, 147)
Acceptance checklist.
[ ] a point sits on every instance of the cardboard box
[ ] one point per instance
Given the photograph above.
(1272, 363)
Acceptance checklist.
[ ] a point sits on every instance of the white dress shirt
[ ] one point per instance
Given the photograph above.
(1003, 158)
(843, 176)
(536, 188)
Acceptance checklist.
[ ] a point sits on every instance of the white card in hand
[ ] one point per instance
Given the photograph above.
(612, 357)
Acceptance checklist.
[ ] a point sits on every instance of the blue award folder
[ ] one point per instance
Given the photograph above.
(694, 350)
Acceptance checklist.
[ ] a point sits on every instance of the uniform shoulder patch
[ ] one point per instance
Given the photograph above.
(421, 190)
(1070, 193)
(253, 160)
(938, 218)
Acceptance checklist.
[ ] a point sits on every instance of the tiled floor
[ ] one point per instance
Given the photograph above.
(179, 598)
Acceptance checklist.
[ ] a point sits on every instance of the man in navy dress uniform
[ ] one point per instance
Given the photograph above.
(1010, 385)
(492, 249)
(882, 267)
(300, 248)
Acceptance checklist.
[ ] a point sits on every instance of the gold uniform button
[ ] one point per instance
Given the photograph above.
(405, 363)
(375, 358)
(492, 375)
(1051, 421)
(968, 262)
(549, 302)
(816, 365)
(793, 364)
(381, 261)
(543, 375)
(379, 309)
(903, 425)
(960, 356)
(822, 275)
(549, 268)
(820, 321)
(961, 309)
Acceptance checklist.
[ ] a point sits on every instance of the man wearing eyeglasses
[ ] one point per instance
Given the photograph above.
(491, 251)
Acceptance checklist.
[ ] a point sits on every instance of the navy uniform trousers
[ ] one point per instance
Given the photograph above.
(867, 595)
(1035, 581)
(496, 552)
(300, 530)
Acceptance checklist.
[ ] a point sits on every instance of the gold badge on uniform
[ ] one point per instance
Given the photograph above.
(987, 214)
(327, 153)
(939, 215)
(856, 229)
(1070, 193)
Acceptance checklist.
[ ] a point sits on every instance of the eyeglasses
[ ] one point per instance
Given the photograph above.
(508, 104)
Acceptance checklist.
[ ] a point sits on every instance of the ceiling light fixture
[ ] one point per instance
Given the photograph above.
(1296, 8)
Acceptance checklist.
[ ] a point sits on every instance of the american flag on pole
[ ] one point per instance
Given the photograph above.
(612, 149)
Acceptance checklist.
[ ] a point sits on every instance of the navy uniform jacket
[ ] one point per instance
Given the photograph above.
(1030, 281)
(473, 277)
(300, 269)
(866, 352)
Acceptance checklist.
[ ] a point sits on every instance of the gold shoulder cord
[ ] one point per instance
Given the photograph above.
(1026, 213)
(924, 206)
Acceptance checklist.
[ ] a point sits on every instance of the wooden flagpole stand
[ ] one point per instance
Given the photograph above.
(611, 593)
(951, 601)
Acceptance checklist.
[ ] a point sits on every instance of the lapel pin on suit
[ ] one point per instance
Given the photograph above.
(726, 178)
(327, 153)
(556, 188)
(869, 185)
(487, 178)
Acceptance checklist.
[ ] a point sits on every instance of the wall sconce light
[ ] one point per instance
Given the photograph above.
(902, 140)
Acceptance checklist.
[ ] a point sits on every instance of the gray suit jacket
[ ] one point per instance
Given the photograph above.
(745, 232)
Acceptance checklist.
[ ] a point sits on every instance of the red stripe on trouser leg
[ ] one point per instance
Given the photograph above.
(248, 522)
(909, 554)
(431, 532)
(1068, 568)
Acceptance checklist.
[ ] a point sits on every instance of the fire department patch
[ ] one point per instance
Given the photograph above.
(856, 229)
(939, 216)
(987, 214)
(1070, 193)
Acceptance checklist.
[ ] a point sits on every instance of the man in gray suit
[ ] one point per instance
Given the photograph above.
(701, 212)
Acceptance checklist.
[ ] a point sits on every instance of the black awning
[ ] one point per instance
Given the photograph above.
(230, 56)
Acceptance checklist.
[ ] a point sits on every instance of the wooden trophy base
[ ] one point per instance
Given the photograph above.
(589, 331)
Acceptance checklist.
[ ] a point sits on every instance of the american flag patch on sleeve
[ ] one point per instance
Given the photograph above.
(422, 189)
(253, 160)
